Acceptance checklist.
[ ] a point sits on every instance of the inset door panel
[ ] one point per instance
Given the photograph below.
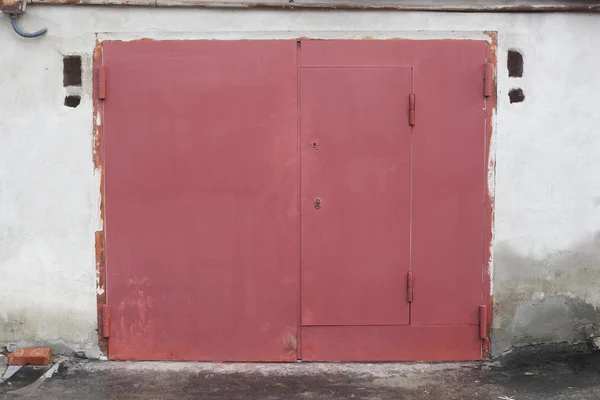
(355, 180)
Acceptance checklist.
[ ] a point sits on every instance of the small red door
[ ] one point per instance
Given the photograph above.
(201, 199)
(355, 144)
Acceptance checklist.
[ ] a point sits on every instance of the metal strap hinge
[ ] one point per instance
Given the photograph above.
(483, 322)
(488, 79)
(409, 287)
(101, 82)
(105, 320)
(411, 109)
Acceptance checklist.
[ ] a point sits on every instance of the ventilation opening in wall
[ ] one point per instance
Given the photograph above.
(72, 80)
(516, 95)
(72, 101)
(72, 71)
(515, 64)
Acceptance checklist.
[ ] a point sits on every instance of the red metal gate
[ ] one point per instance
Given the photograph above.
(274, 200)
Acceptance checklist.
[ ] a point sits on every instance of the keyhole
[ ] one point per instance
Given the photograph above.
(318, 203)
(314, 144)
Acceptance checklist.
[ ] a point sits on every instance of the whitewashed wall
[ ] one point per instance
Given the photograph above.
(547, 157)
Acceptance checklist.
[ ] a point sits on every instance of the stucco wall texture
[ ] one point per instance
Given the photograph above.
(545, 159)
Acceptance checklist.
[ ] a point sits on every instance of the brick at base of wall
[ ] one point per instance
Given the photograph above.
(30, 356)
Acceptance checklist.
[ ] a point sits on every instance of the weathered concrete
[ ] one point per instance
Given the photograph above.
(547, 300)
(3, 364)
(530, 374)
(545, 159)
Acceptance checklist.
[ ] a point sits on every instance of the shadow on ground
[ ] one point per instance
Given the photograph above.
(531, 373)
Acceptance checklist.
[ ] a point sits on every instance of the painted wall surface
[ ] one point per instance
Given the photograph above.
(546, 254)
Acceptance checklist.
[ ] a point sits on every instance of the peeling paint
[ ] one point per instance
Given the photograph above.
(491, 195)
(488, 201)
(98, 156)
(99, 284)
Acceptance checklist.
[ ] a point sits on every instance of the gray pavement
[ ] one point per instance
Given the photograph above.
(549, 374)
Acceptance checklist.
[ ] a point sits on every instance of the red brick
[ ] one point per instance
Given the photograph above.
(30, 356)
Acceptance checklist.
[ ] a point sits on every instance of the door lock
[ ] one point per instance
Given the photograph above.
(318, 203)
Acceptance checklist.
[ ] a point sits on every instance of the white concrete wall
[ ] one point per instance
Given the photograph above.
(547, 189)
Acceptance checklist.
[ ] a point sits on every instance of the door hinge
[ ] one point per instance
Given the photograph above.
(101, 82)
(411, 109)
(483, 322)
(488, 79)
(105, 320)
(409, 287)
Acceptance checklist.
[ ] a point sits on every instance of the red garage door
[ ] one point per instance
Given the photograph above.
(274, 201)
